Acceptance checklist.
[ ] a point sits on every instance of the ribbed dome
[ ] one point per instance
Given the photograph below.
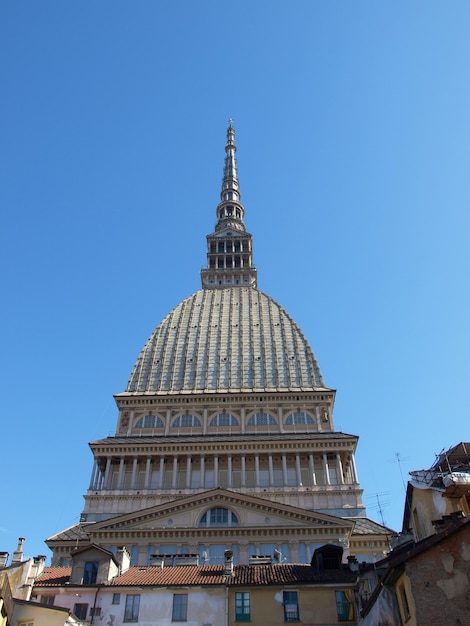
(226, 340)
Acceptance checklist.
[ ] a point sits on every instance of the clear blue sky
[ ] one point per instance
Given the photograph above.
(353, 136)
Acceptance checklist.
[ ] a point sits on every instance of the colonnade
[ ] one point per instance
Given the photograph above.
(199, 471)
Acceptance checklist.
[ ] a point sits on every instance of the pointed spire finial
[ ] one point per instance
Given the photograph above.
(230, 255)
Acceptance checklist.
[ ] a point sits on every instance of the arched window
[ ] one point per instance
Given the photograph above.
(224, 419)
(298, 418)
(149, 421)
(218, 517)
(261, 419)
(186, 421)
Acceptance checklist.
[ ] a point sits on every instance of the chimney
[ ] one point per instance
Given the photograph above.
(18, 553)
(353, 564)
(228, 565)
(123, 558)
(38, 565)
(4, 558)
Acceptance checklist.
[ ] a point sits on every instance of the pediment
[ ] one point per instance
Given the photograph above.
(251, 512)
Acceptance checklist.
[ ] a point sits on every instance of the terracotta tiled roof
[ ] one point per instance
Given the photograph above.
(284, 574)
(179, 575)
(54, 576)
(243, 575)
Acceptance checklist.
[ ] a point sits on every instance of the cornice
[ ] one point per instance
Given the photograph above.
(131, 446)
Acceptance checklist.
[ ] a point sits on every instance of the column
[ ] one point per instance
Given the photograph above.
(308, 552)
(243, 552)
(284, 469)
(120, 481)
(271, 470)
(354, 470)
(339, 469)
(204, 422)
(326, 470)
(229, 470)
(203, 471)
(257, 470)
(161, 475)
(243, 459)
(216, 470)
(131, 422)
(168, 420)
(148, 473)
(188, 471)
(318, 414)
(294, 556)
(107, 473)
(93, 475)
(311, 467)
(134, 473)
(280, 419)
(99, 479)
(243, 419)
(175, 472)
(297, 469)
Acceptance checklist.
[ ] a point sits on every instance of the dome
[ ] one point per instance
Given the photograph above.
(228, 340)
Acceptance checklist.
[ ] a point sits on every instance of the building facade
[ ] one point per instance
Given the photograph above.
(225, 436)
(206, 595)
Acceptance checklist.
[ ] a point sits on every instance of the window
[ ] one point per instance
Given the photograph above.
(219, 517)
(149, 421)
(242, 607)
(95, 611)
(344, 606)
(291, 606)
(298, 418)
(90, 573)
(223, 419)
(116, 598)
(47, 600)
(180, 607)
(404, 605)
(80, 611)
(131, 612)
(261, 419)
(186, 421)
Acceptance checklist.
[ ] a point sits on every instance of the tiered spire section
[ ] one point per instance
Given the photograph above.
(229, 248)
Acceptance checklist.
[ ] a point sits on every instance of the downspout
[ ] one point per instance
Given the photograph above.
(94, 604)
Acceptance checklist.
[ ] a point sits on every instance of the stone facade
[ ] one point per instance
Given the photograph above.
(225, 434)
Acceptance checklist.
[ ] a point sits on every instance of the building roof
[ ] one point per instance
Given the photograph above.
(203, 575)
(366, 526)
(73, 533)
(226, 340)
(408, 551)
(126, 440)
(54, 576)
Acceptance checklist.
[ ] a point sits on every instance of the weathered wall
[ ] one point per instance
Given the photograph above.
(440, 582)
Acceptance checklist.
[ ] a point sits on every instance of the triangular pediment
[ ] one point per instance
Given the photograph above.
(250, 511)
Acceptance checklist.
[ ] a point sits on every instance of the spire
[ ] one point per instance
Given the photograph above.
(229, 248)
(230, 180)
